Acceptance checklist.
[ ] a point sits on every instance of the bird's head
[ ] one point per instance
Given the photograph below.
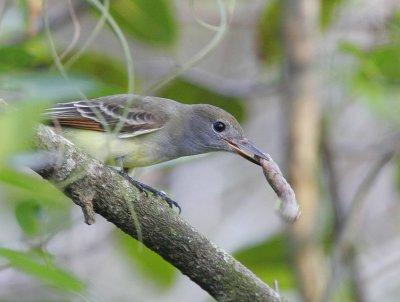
(212, 129)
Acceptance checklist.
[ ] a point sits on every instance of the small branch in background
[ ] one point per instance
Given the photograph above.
(333, 185)
(245, 88)
(53, 48)
(103, 8)
(332, 179)
(354, 214)
(34, 11)
(93, 35)
(3, 6)
(173, 74)
(77, 30)
(345, 244)
(56, 20)
(162, 230)
(360, 294)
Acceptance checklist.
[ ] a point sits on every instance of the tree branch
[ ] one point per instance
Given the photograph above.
(161, 229)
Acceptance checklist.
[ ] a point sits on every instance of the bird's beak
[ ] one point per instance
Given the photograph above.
(247, 150)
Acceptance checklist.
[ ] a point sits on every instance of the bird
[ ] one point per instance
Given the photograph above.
(132, 131)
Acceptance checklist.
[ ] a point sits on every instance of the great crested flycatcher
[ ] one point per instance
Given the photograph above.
(138, 131)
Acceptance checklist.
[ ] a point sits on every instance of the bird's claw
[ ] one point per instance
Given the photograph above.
(137, 184)
(172, 203)
(145, 189)
(140, 187)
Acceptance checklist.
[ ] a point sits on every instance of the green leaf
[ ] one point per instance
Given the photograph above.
(28, 214)
(155, 268)
(37, 46)
(186, 92)
(17, 128)
(345, 291)
(31, 186)
(376, 83)
(269, 45)
(149, 21)
(376, 78)
(48, 86)
(43, 269)
(40, 208)
(387, 65)
(269, 260)
(96, 74)
(350, 49)
(14, 57)
(328, 9)
(104, 69)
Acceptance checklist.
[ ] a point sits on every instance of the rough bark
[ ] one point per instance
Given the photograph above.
(300, 28)
(88, 182)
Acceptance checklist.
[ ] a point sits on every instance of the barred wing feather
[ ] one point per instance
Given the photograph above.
(131, 116)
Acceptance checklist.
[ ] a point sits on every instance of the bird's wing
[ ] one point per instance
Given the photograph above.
(126, 114)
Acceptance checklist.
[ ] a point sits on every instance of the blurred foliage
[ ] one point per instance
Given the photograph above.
(108, 71)
(190, 93)
(376, 77)
(398, 173)
(345, 292)
(14, 57)
(49, 86)
(18, 124)
(269, 33)
(38, 206)
(269, 44)
(29, 215)
(30, 186)
(149, 21)
(156, 269)
(270, 261)
(23, 75)
(328, 9)
(41, 267)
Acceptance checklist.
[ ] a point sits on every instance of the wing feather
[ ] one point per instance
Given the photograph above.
(136, 114)
(81, 123)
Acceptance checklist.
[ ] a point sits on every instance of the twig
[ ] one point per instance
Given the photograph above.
(2, 9)
(352, 219)
(345, 239)
(92, 37)
(56, 20)
(332, 178)
(198, 56)
(338, 206)
(77, 30)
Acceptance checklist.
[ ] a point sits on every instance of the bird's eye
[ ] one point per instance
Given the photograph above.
(219, 126)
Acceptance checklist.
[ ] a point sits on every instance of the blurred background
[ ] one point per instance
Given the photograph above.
(315, 83)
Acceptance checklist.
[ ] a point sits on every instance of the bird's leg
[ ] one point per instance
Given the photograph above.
(145, 188)
(137, 184)
(119, 164)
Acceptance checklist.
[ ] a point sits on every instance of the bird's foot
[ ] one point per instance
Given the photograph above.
(172, 203)
(156, 193)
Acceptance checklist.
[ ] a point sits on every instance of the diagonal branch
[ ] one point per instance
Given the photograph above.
(161, 229)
